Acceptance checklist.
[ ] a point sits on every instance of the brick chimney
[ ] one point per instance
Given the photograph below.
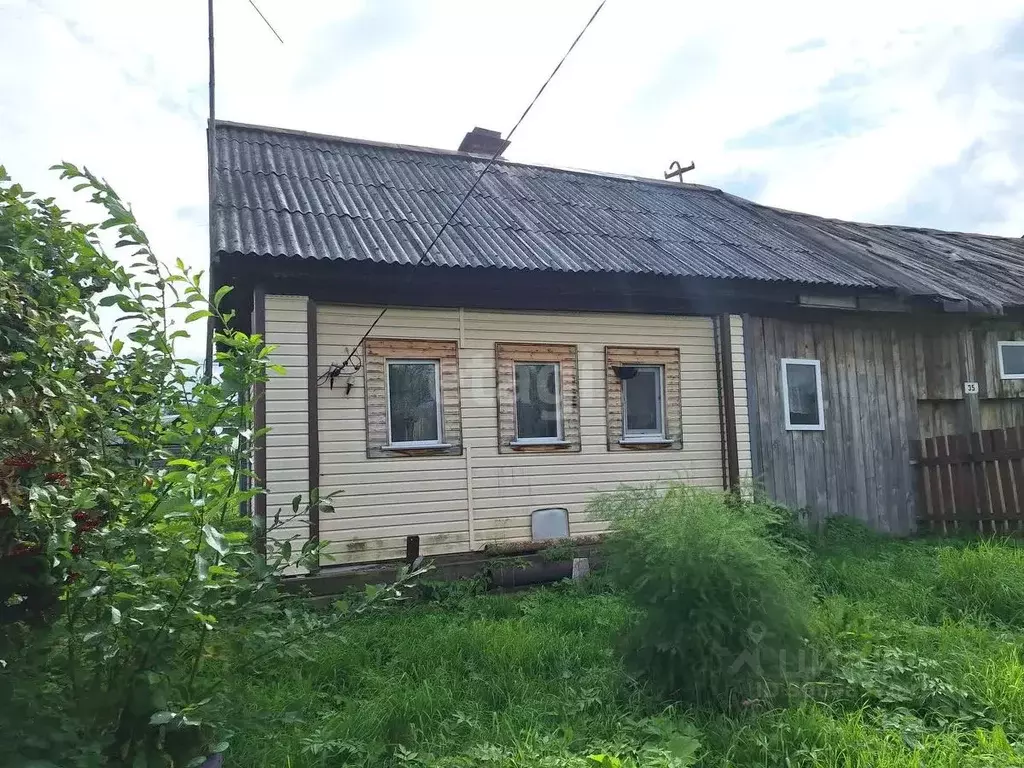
(481, 141)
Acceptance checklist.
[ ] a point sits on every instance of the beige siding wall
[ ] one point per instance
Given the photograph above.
(739, 372)
(286, 399)
(383, 500)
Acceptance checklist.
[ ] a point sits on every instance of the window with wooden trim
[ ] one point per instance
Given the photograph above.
(414, 402)
(1011, 359)
(538, 397)
(643, 400)
(412, 397)
(801, 394)
(538, 410)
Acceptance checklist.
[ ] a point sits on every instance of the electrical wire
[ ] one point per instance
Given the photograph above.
(423, 256)
(271, 26)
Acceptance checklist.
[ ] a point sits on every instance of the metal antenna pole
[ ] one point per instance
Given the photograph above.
(211, 150)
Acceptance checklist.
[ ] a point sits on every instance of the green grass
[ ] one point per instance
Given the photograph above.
(919, 662)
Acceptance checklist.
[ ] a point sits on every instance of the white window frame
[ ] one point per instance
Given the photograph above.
(560, 438)
(1002, 369)
(388, 362)
(820, 426)
(641, 435)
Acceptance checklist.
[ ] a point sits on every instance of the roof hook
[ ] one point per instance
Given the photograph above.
(676, 170)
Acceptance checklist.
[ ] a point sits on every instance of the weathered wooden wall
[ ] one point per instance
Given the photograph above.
(885, 382)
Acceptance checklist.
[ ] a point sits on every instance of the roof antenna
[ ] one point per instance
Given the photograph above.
(211, 149)
(676, 170)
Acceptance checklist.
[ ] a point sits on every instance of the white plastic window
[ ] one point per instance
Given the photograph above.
(643, 403)
(801, 394)
(538, 402)
(414, 402)
(1011, 359)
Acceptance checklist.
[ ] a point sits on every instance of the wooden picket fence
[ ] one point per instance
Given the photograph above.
(971, 483)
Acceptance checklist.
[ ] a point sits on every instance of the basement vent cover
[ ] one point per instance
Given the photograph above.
(550, 523)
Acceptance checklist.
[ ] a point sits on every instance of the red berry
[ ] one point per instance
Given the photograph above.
(73, 577)
(56, 477)
(80, 516)
(20, 461)
(76, 549)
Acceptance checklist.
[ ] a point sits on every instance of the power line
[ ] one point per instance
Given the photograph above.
(487, 167)
(271, 26)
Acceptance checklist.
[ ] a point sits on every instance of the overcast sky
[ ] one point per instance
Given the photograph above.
(899, 111)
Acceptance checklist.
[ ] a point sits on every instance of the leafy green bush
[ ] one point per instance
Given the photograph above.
(126, 570)
(984, 579)
(121, 477)
(722, 608)
(902, 689)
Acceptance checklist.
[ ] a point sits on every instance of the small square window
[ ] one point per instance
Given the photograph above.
(801, 394)
(414, 402)
(1011, 359)
(538, 406)
(643, 406)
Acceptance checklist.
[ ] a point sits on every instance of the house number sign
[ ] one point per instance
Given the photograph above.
(970, 387)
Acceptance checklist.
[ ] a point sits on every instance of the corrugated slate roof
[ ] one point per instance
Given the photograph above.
(286, 193)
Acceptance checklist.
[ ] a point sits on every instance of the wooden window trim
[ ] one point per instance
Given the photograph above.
(791, 427)
(506, 355)
(377, 355)
(665, 358)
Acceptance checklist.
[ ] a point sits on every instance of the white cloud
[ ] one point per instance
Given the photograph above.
(886, 94)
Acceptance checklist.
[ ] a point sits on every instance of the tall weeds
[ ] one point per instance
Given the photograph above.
(721, 607)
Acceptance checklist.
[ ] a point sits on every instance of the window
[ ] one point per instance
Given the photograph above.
(643, 402)
(1011, 359)
(414, 402)
(643, 398)
(538, 413)
(801, 394)
(538, 398)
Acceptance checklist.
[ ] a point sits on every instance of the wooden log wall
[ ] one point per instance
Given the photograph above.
(886, 382)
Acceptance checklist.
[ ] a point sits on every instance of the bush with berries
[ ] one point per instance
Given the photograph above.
(126, 564)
